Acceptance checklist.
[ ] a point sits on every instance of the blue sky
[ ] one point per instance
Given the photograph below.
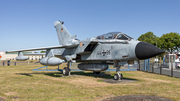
(30, 23)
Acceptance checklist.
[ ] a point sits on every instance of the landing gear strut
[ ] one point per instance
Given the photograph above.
(67, 70)
(117, 76)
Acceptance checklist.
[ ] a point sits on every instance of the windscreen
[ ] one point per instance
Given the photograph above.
(114, 35)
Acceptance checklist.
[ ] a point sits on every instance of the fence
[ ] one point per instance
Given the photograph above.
(143, 65)
(159, 68)
(15, 63)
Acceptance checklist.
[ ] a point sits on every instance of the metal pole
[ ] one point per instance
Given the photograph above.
(172, 66)
(163, 62)
(139, 65)
(148, 65)
(70, 69)
(144, 65)
(160, 69)
(153, 67)
(8, 63)
(160, 66)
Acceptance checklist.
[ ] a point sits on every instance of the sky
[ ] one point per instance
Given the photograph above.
(30, 23)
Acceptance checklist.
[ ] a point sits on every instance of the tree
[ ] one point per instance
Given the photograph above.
(148, 37)
(43, 52)
(169, 42)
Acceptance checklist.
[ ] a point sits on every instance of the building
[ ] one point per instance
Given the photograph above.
(12, 56)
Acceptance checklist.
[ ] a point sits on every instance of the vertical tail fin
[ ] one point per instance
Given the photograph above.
(63, 35)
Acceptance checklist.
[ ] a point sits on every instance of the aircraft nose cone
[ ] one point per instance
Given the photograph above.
(145, 50)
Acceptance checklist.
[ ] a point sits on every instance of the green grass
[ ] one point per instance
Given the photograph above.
(22, 84)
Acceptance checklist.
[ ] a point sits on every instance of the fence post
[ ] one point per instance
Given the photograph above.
(3, 63)
(144, 65)
(160, 66)
(163, 62)
(172, 66)
(160, 70)
(153, 67)
(8, 63)
(139, 65)
(14, 63)
(148, 65)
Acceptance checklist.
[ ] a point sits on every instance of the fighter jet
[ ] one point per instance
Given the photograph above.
(94, 54)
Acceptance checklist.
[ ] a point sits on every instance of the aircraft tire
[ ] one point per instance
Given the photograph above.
(65, 71)
(96, 72)
(121, 77)
(116, 77)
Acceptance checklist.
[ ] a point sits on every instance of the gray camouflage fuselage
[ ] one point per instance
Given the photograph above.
(101, 50)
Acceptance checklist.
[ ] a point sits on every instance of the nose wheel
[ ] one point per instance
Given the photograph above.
(118, 76)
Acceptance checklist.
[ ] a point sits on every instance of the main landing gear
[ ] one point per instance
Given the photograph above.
(67, 70)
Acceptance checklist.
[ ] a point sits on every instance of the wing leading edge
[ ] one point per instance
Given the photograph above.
(45, 48)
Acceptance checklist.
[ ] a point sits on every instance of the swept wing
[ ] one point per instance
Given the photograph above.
(45, 48)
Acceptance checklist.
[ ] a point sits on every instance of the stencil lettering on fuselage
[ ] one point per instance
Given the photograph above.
(104, 52)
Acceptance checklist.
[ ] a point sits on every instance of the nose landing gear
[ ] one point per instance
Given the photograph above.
(117, 76)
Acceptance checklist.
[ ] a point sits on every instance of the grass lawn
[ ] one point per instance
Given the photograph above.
(22, 84)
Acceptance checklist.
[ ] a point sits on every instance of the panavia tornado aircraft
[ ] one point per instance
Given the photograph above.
(94, 54)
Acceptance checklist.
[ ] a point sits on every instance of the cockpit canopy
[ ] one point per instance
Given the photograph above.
(114, 35)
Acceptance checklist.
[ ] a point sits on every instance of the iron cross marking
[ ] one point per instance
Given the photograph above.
(104, 53)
